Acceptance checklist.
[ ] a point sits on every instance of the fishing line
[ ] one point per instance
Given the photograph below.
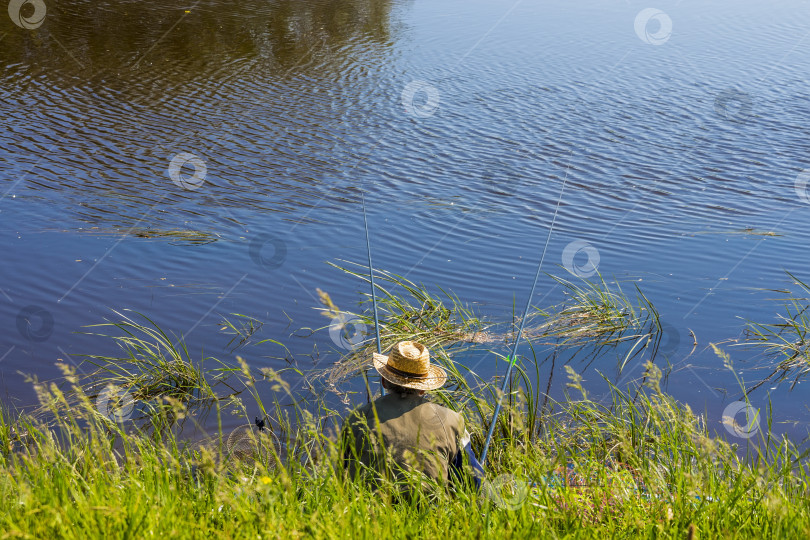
(513, 357)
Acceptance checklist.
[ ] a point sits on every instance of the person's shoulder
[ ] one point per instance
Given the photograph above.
(449, 415)
(448, 411)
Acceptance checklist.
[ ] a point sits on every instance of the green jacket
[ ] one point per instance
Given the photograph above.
(417, 435)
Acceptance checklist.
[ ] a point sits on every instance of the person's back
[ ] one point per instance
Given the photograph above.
(402, 432)
(417, 435)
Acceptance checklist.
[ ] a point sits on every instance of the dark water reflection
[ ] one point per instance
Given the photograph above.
(459, 119)
(101, 94)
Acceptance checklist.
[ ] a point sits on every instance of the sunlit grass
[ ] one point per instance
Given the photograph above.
(157, 370)
(638, 465)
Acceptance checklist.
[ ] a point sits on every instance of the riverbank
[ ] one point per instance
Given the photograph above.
(108, 454)
(639, 465)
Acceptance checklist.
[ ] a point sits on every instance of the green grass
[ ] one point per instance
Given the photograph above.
(646, 467)
(634, 464)
(156, 369)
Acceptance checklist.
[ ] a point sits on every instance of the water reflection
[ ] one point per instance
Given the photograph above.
(100, 98)
(196, 40)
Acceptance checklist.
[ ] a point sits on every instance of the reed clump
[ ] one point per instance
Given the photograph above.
(153, 370)
(594, 317)
(786, 341)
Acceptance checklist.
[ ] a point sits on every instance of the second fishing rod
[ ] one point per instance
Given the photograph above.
(513, 357)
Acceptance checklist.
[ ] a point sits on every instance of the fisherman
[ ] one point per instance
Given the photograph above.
(402, 431)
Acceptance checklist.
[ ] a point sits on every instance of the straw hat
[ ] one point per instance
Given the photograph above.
(408, 365)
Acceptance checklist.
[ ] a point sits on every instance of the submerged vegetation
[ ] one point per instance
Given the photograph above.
(174, 236)
(634, 463)
(785, 341)
(596, 316)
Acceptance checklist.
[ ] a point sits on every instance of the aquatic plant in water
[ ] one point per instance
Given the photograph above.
(785, 341)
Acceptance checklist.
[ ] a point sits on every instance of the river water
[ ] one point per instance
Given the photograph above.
(192, 160)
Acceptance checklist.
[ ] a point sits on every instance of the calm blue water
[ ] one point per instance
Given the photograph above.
(671, 142)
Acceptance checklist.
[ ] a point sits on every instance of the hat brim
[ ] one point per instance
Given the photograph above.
(436, 376)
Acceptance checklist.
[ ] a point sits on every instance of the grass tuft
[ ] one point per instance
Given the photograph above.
(787, 341)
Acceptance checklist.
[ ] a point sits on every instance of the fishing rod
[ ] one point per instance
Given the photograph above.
(513, 358)
(371, 278)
